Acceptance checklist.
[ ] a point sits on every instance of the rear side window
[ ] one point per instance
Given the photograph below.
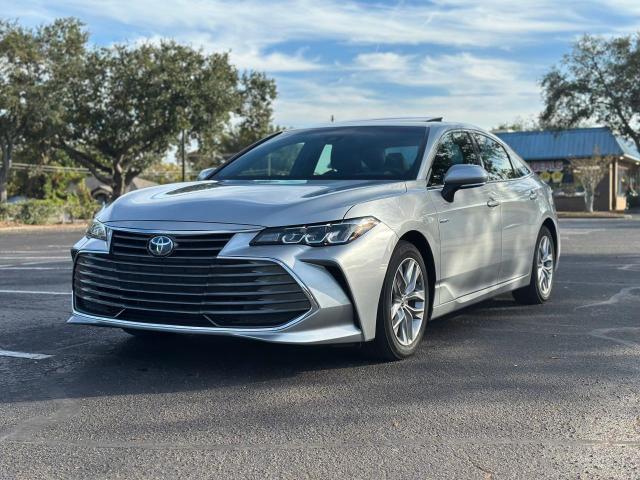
(519, 165)
(495, 159)
(454, 149)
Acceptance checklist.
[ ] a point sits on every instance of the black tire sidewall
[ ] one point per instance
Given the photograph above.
(403, 251)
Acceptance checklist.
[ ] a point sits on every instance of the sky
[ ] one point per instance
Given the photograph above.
(477, 62)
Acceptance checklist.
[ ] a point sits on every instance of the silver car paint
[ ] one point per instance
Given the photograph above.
(478, 251)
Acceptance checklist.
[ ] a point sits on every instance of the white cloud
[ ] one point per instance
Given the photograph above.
(465, 74)
(399, 45)
(464, 87)
(484, 91)
(460, 73)
(385, 61)
(266, 23)
(345, 103)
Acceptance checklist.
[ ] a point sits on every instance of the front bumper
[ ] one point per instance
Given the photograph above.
(343, 284)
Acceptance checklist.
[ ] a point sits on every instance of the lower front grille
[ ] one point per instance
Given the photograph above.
(206, 293)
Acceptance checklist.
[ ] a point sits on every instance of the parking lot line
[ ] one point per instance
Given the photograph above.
(10, 267)
(35, 292)
(32, 356)
(32, 257)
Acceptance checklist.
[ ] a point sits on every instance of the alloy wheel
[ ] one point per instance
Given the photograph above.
(407, 301)
(545, 266)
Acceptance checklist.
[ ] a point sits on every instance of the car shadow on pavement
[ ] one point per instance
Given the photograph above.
(496, 346)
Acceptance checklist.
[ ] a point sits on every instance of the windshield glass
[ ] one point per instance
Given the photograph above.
(341, 153)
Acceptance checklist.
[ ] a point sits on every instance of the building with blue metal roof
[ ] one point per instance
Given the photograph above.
(549, 153)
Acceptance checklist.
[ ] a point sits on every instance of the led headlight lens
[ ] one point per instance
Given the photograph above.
(320, 235)
(97, 230)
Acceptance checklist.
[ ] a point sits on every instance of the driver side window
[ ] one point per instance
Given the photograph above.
(454, 149)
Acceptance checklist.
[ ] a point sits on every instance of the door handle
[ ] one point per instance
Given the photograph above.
(533, 194)
(492, 202)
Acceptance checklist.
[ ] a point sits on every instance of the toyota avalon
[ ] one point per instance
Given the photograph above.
(359, 232)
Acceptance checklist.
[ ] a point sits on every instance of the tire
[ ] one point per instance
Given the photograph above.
(396, 337)
(538, 291)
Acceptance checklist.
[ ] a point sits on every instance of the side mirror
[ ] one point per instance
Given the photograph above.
(204, 174)
(462, 176)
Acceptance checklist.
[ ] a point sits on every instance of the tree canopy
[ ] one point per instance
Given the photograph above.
(118, 109)
(128, 105)
(598, 81)
(255, 113)
(35, 65)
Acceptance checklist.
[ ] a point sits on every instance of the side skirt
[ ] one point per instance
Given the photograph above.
(480, 295)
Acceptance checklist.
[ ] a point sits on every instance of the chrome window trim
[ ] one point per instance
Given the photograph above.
(185, 328)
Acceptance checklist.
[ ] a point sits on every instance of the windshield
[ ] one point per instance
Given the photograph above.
(341, 153)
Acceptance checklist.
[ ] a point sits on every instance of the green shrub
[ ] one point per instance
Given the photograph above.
(81, 209)
(8, 211)
(38, 212)
(41, 212)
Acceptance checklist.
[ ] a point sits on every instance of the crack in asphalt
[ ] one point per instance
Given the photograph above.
(488, 474)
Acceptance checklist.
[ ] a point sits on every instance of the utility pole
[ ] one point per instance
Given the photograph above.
(183, 155)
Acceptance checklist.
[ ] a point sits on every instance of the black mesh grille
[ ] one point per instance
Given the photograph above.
(190, 287)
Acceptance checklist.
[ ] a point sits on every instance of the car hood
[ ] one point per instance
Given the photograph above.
(249, 203)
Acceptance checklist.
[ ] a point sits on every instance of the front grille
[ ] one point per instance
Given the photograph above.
(190, 287)
(188, 247)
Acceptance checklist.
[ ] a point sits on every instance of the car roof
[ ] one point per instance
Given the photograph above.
(427, 121)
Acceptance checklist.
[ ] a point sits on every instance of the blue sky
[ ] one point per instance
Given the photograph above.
(469, 61)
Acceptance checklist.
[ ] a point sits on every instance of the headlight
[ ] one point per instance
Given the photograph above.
(97, 230)
(318, 235)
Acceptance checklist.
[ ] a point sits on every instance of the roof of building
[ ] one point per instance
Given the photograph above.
(566, 144)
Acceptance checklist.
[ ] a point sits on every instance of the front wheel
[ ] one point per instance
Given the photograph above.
(542, 271)
(403, 306)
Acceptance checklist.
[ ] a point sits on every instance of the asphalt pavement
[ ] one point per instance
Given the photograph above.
(496, 391)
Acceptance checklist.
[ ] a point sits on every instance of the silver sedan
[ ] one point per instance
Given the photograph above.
(344, 233)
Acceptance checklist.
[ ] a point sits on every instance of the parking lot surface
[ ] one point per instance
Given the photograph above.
(496, 391)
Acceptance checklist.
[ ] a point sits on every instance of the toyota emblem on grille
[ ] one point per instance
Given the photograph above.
(160, 246)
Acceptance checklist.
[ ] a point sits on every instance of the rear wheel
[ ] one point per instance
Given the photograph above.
(542, 271)
(403, 306)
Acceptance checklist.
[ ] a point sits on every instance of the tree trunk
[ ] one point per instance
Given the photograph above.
(588, 200)
(4, 170)
(117, 183)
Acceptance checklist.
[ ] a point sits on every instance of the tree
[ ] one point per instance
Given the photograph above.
(597, 82)
(518, 125)
(255, 112)
(589, 172)
(253, 118)
(128, 105)
(35, 65)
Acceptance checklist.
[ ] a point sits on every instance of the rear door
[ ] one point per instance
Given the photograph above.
(470, 226)
(515, 195)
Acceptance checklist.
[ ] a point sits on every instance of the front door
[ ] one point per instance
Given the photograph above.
(470, 226)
